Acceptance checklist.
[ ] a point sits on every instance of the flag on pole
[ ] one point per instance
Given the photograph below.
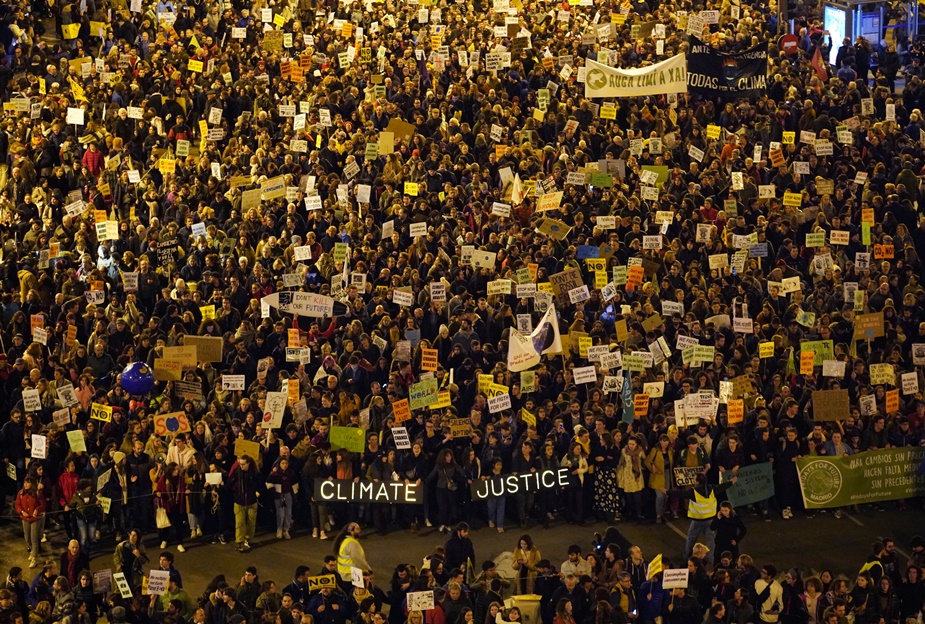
(819, 65)
(524, 352)
(629, 406)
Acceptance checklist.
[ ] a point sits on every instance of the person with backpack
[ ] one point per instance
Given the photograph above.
(129, 557)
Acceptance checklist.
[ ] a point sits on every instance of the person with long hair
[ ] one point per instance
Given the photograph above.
(526, 556)
(729, 529)
(30, 508)
(911, 593)
(493, 612)
(564, 612)
(861, 602)
(447, 474)
(606, 613)
(575, 461)
(350, 554)
(170, 495)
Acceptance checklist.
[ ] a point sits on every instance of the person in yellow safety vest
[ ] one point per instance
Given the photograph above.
(350, 554)
(702, 510)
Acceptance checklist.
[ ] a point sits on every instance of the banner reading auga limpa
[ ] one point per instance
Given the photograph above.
(669, 76)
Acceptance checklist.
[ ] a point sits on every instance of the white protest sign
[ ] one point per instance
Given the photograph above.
(157, 582)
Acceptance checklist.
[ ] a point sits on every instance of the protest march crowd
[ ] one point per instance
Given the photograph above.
(318, 266)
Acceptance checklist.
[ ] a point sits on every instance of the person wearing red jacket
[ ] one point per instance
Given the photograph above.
(93, 160)
(67, 487)
(30, 507)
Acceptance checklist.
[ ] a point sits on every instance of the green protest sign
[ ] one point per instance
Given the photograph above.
(869, 477)
(351, 438)
(423, 394)
(753, 484)
(822, 350)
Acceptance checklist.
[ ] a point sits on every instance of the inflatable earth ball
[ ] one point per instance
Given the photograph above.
(137, 378)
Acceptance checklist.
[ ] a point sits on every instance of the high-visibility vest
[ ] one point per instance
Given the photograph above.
(702, 507)
(344, 561)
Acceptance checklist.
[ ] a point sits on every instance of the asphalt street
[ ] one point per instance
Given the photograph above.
(821, 542)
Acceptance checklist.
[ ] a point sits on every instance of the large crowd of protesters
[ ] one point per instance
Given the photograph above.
(133, 140)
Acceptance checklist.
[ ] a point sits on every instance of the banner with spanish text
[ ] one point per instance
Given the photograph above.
(714, 74)
(869, 477)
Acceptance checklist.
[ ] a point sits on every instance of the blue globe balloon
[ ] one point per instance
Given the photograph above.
(137, 378)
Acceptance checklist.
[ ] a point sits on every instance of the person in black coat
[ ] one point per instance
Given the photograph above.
(243, 482)
(327, 607)
(572, 590)
(459, 548)
(400, 586)
(298, 588)
(681, 608)
(729, 529)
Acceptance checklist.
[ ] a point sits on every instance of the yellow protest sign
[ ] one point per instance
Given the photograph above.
(766, 350)
(101, 412)
(793, 199)
(583, 344)
(194, 66)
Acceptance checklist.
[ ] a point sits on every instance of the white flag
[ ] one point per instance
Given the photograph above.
(524, 352)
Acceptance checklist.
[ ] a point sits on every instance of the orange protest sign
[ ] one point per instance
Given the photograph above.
(401, 410)
(867, 215)
(807, 360)
(883, 252)
(892, 401)
(641, 405)
(736, 410)
(634, 277)
(428, 359)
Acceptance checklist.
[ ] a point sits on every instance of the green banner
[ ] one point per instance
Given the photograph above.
(868, 477)
(753, 484)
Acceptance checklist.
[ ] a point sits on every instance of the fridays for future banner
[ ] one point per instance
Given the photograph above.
(868, 477)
